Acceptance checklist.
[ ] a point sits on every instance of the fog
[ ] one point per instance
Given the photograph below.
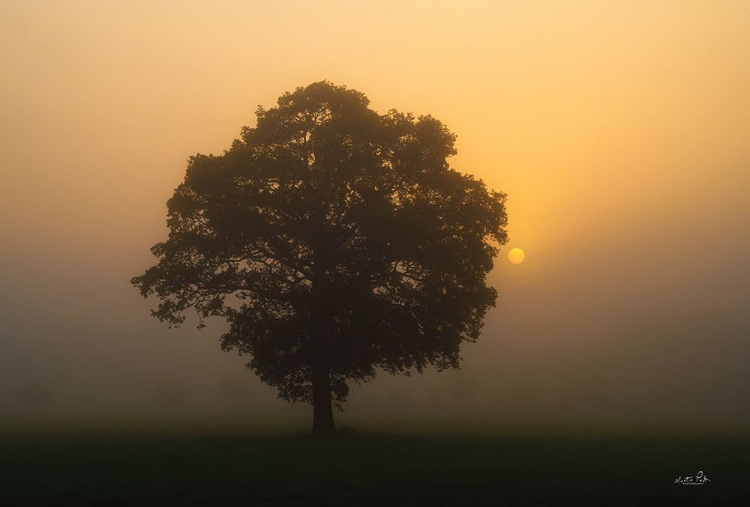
(619, 134)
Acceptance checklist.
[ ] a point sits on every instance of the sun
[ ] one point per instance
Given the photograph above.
(516, 256)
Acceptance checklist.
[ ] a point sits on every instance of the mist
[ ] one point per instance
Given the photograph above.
(618, 133)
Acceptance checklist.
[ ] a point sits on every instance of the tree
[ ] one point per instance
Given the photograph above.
(334, 241)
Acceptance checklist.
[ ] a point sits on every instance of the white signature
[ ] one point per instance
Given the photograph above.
(698, 479)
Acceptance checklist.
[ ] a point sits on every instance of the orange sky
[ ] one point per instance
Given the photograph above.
(619, 131)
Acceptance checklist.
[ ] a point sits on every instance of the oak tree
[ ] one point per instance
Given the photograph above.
(336, 242)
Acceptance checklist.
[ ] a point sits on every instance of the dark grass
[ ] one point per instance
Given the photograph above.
(215, 467)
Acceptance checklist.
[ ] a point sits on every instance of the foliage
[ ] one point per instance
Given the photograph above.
(329, 231)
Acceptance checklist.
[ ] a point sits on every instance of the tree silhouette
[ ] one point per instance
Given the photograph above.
(335, 241)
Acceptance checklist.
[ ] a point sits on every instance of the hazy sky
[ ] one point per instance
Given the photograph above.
(619, 130)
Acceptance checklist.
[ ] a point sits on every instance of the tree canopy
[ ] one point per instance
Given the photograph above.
(335, 241)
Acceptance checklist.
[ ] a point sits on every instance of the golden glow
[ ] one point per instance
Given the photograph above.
(516, 256)
(610, 126)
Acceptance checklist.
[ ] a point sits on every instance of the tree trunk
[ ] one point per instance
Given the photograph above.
(322, 403)
(320, 358)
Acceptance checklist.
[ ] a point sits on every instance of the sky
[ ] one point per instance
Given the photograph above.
(619, 131)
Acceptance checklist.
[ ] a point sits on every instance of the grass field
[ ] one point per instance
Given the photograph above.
(164, 466)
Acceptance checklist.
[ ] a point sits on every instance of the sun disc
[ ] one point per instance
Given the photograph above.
(516, 256)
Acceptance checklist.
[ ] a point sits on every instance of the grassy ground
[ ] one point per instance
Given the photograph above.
(161, 467)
